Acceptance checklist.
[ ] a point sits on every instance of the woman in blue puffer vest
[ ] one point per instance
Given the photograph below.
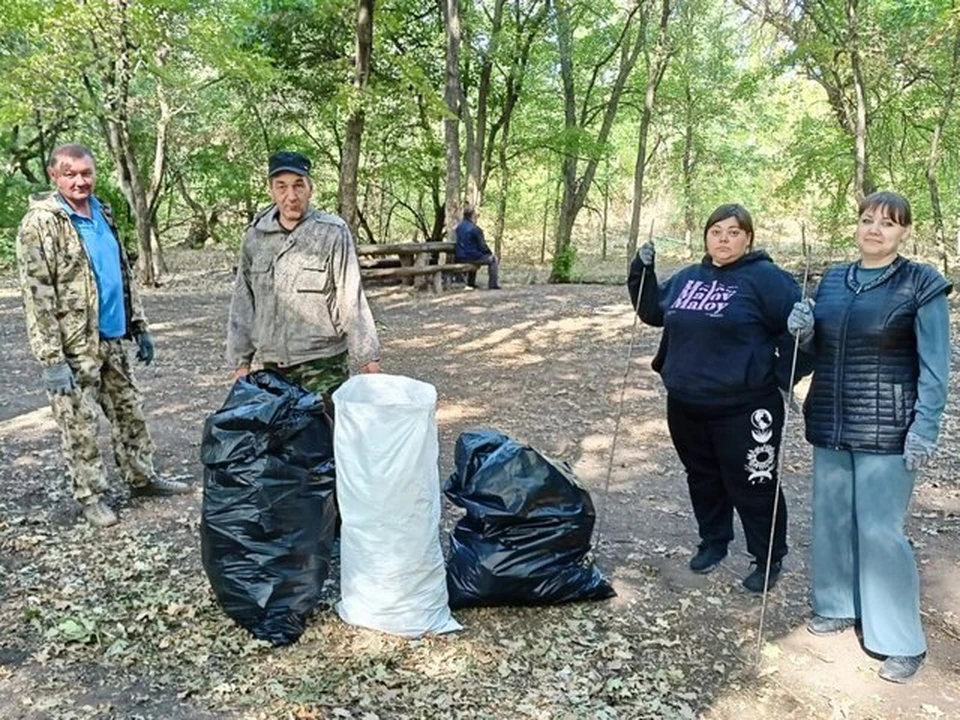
(879, 329)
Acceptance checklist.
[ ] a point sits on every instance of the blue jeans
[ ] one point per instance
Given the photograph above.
(863, 566)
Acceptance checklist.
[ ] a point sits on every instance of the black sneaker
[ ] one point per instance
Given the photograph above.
(819, 625)
(707, 558)
(754, 581)
(901, 668)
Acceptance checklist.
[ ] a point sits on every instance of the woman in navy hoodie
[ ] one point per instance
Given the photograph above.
(880, 331)
(724, 355)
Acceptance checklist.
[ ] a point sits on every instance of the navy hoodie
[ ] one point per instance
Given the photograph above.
(725, 340)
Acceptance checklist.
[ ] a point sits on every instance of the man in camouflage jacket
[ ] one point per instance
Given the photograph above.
(81, 300)
(298, 306)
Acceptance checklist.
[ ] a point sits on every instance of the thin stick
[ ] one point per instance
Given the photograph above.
(623, 391)
(783, 440)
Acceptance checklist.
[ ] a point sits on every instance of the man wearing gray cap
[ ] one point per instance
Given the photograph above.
(298, 306)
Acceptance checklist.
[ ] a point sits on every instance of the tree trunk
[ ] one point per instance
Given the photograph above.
(934, 157)
(568, 167)
(475, 154)
(156, 252)
(527, 29)
(451, 124)
(689, 219)
(575, 188)
(656, 66)
(546, 222)
(439, 219)
(200, 229)
(353, 135)
(115, 120)
(604, 220)
(863, 186)
(502, 202)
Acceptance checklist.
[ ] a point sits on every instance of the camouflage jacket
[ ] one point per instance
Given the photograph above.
(58, 285)
(298, 296)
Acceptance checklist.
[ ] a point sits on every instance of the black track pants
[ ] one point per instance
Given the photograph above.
(730, 458)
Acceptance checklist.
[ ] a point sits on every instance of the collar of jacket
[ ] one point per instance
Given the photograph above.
(268, 221)
(891, 270)
(49, 201)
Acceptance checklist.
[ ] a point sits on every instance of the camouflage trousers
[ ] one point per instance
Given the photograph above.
(321, 376)
(105, 380)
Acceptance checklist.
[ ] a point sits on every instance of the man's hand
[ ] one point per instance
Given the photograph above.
(240, 372)
(917, 451)
(146, 347)
(59, 379)
(371, 367)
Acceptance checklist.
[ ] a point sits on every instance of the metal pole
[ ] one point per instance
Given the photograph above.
(623, 390)
(783, 439)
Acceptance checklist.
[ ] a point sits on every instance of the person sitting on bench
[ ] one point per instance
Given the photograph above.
(472, 248)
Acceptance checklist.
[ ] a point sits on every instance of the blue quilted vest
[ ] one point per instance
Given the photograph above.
(865, 378)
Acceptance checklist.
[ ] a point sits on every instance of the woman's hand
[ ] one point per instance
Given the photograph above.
(917, 451)
(800, 321)
(647, 253)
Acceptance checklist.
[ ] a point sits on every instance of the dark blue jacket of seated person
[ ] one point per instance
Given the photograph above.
(470, 242)
(725, 339)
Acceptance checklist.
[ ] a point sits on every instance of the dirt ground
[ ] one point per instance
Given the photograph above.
(121, 623)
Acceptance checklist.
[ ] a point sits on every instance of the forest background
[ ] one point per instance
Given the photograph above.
(571, 124)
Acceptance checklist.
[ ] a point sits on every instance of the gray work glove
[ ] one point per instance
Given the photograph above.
(647, 253)
(917, 451)
(800, 320)
(59, 379)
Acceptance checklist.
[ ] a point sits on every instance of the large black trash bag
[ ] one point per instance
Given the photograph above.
(269, 507)
(526, 534)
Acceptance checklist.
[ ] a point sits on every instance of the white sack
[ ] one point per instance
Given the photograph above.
(392, 575)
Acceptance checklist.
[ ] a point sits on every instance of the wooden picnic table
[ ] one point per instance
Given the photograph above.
(415, 262)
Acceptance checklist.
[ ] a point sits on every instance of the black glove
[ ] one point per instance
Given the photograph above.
(145, 343)
(59, 379)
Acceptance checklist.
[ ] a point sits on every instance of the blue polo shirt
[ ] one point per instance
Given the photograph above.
(103, 251)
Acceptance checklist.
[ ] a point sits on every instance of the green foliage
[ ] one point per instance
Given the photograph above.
(563, 263)
(748, 110)
(14, 192)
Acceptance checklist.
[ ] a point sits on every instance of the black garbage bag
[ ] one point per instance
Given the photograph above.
(526, 534)
(269, 506)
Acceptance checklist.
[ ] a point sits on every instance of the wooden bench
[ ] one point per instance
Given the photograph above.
(415, 263)
(434, 272)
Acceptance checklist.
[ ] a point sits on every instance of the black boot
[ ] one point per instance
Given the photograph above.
(707, 558)
(754, 581)
(160, 487)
